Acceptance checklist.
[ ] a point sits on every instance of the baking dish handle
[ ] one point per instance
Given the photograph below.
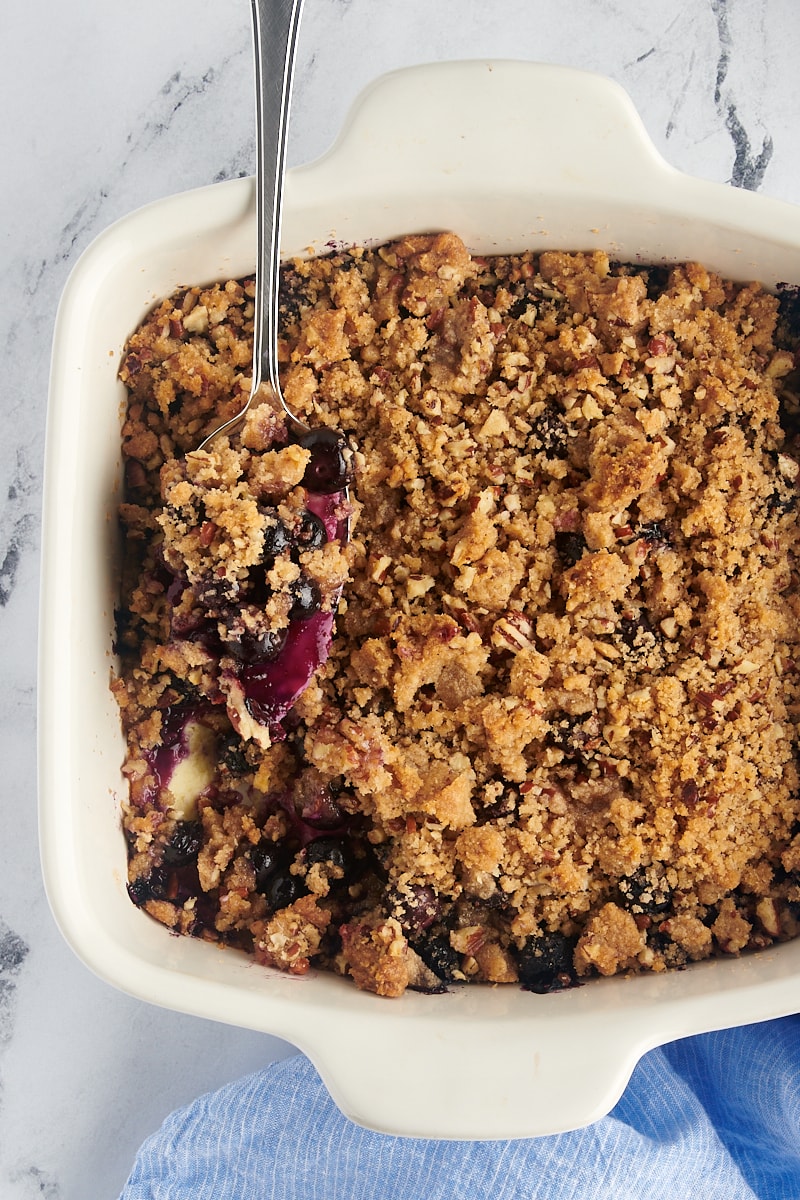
(470, 1081)
(429, 122)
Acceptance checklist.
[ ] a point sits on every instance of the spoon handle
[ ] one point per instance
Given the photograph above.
(275, 25)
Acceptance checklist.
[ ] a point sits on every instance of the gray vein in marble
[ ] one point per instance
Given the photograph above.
(18, 526)
(71, 233)
(240, 164)
(175, 96)
(679, 100)
(34, 1182)
(177, 91)
(720, 10)
(13, 952)
(748, 169)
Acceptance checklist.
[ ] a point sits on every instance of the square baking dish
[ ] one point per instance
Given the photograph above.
(482, 1061)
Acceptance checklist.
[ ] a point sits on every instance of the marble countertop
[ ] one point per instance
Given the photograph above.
(111, 106)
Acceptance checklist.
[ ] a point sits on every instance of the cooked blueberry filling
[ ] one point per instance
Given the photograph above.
(153, 886)
(439, 956)
(277, 538)
(549, 433)
(416, 907)
(173, 747)
(184, 845)
(254, 648)
(545, 963)
(328, 470)
(282, 889)
(266, 860)
(311, 533)
(570, 547)
(230, 615)
(271, 687)
(306, 599)
(645, 891)
(334, 851)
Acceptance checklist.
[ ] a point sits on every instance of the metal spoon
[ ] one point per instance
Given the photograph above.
(275, 25)
(267, 689)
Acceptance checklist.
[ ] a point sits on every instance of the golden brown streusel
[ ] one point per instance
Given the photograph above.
(556, 733)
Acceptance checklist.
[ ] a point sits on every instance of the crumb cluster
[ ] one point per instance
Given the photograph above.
(556, 732)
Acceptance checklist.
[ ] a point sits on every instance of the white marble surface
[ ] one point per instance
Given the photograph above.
(106, 107)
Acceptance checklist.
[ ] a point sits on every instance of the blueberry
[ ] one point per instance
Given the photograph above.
(149, 887)
(232, 756)
(638, 637)
(184, 845)
(549, 433)
(318, 803)
(306, 599)
(184, 883)
(570, 547)
(674, 955)
(545, 963)
(293, 294)
(657, 281)
(327, 469)
(205, 914)
(438, 956)
(519, 306)
(578, 737)
(505, 805)
(277, 538)
(311, 533)
(283, 889)
(329, 850)
(253, 648)
(654, 534)
(416, 908)
(782, 500)
(139, 891)
(266, 860)
(215, 595)
(645, 892)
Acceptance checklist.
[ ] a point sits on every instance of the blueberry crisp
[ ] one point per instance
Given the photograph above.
(535, 720)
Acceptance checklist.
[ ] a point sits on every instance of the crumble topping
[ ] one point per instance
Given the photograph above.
(555, 734)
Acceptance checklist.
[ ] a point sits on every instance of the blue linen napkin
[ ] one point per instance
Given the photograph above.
(716, 1115)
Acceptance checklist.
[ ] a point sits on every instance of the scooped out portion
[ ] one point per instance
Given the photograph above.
(254, 536)
(536, 721)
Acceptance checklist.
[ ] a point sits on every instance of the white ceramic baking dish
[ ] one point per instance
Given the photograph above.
(510, 155)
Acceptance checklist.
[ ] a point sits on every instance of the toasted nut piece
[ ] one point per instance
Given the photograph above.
(779, 365)
(513, 632)
(788, 467)
(669, 627)
(768, 915)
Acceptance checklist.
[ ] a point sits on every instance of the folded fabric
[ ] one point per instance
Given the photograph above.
(711, 1116)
